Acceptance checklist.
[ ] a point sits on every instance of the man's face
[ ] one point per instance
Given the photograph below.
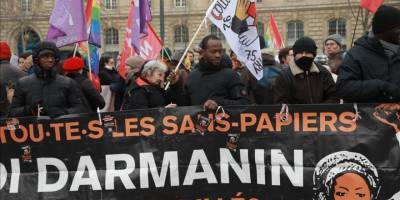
(213, 52)
(288, 58)
(331, 48)
(47, 61)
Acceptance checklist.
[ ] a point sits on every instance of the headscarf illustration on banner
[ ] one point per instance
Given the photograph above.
(345, 175)
(237, 20)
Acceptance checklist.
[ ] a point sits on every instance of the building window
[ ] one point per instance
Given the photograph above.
(181, 34)
(260, 28)
(27, 40)
(180, 3)
(215, 31)
(112, 36)
(26, 5)
(110, 4)
(337, 26)
(295, 31)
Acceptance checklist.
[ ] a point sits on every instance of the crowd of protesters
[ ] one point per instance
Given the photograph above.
(42, 84)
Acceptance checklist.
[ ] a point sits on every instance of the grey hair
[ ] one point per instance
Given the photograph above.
(153, 65)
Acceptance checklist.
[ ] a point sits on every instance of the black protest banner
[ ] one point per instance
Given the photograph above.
(248, 152)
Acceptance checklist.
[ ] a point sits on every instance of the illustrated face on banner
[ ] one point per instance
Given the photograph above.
(345, 175)
(351, 186)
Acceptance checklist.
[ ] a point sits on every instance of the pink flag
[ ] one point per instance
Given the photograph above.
(149, 47)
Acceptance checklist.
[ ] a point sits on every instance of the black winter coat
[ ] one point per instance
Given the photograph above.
(108, 77)
(141, 95)
(3, 100)
(58, 95)
(93, 99)
(294, 86)
(365, 70)
(222, 85)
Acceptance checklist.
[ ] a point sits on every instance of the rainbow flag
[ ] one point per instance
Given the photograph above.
(93, 22)
(92, 13)
(273, 38)
(268, 39)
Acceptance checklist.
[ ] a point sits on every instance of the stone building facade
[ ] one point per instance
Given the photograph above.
(24, 22)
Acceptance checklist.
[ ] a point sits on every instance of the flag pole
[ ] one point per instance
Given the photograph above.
(187, 49)
(355, 27)
(89, 62)
(76, 48)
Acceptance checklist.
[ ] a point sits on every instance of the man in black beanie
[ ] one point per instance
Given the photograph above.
(45, 92)
(371, 69)
(304, 81)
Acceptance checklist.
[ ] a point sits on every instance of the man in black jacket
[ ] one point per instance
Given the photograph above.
(210, 84)
(371, 69)
(45, 92)
(304, 81)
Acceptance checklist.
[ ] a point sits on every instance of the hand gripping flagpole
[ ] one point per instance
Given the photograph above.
(187, 49)
(191, 42)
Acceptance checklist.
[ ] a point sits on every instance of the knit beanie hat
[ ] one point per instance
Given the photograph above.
(336, 38)
(45, 47)
(305, 44)
(73, 64)
(5, 51)
(386, 18)
(135, 62)
(165, 53)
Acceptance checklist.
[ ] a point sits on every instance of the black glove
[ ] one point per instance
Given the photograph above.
(53, 112)
(391, 91)
(33, 108)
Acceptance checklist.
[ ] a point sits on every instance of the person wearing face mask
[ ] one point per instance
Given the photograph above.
(148, 91)
(45, 92)
(371, 69)
(304, 81)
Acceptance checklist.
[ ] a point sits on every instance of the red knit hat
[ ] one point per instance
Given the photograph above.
(73, 64)
(5, 51)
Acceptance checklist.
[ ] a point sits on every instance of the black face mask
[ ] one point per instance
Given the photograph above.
(304, 63)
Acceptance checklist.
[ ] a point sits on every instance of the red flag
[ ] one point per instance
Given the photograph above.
(274, 31)
(150, 46)
(371, 5)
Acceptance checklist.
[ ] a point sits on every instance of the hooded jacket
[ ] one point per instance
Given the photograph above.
(366, 71)
(58, 95)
